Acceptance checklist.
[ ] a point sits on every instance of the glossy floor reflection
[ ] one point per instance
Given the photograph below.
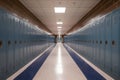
(59, 66)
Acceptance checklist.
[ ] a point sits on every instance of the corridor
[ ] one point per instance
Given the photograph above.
(59, 39)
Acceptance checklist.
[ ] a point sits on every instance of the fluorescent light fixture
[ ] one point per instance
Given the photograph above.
(59, 9)
(59, 22)
(59, 27)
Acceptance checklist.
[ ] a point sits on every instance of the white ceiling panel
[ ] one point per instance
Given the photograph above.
(44, 11)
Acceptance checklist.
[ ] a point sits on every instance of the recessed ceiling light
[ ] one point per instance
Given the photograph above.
(59, 27)
(59, 22)
(59, 9)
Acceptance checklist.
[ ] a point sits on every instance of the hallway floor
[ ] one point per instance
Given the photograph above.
(59, 65)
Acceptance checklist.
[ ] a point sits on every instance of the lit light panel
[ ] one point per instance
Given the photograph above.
(59, 22)
(59, 27)
(59, 9)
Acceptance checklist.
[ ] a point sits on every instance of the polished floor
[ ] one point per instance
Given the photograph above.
(59, 65)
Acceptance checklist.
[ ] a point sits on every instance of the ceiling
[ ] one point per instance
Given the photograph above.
(44, 11)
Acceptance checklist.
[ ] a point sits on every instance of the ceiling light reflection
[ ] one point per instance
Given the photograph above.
(59, 67)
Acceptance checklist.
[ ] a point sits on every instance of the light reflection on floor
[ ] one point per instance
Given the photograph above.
(59, 67)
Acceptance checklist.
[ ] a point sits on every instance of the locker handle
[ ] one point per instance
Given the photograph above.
(0, 43)
(9, 42)
(15, 42)
(100, 42)
(113, 42)
(106, 42)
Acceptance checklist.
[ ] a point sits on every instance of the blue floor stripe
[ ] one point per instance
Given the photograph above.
(30, 72)
(87, 70)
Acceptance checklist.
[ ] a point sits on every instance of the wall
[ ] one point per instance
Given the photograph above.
(20, 42)
(99, 42)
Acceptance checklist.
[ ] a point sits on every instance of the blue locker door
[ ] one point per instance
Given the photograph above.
(97, 43)
(30, 47)
(115, 43)
(94, 42)
(23, 42)
(30, 39)
(19, 45)
(3, 54)
(21, 61)
(94, 39)
(90, 43)
(102, 43)
(27, 47)
(17, 32)
(87, 51)
(10, 46)
(108, 56)
(26, 44)
(13, 40)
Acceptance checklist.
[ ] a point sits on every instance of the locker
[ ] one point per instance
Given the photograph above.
(97, 43)
(115, 43)
(93, 42)
(108, 56)
(90, 44)
(17, 48)
(101, 43)
(21, 45)
(24, 41)
(102, 51)
(29, 43)
(2, 45)
(9, 46)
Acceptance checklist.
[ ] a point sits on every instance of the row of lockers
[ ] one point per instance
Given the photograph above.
(99, 42)
(20, 42)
